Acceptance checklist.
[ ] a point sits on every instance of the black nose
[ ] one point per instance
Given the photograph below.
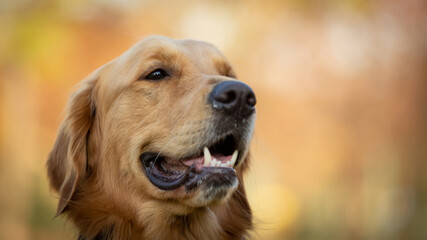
(234, 98)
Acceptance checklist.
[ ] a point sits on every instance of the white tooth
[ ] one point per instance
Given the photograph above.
(223, 165)
(218, 163)
(208, 157)
(234, 158)
(213, 163)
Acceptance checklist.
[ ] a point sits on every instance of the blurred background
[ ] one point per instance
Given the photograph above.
(340, 148)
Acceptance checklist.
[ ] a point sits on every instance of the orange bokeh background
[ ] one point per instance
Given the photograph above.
(340, 146)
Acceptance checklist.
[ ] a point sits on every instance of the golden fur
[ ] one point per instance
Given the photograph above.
(113, 116)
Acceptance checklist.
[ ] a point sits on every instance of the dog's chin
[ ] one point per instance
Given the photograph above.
(213, 186)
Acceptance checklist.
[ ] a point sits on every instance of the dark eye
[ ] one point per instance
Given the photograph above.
(157, 74)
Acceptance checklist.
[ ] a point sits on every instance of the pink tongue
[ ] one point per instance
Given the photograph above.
(198, 161)
(223, 159)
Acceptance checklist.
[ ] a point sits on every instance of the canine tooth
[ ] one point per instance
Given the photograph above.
(234, 158)
(208, 157)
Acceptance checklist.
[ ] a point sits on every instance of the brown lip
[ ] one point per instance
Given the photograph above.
(162, 180)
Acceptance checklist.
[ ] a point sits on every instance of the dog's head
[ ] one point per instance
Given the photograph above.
(165, 123)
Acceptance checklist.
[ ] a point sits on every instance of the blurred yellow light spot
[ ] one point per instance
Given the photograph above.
(275, 209)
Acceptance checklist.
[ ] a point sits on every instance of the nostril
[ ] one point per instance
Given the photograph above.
(250, 99)
(226, 97)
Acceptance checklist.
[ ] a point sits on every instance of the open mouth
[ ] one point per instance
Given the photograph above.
(212, 163)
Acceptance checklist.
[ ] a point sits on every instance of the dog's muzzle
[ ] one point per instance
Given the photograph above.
(221, 150)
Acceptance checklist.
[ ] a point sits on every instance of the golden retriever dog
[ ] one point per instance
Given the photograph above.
(154, 145)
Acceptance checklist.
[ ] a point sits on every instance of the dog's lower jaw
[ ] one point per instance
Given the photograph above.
(214, 196)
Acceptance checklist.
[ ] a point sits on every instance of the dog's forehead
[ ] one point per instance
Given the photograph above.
(206, 54)
(171, 51)
(188, 47)
(199, 49)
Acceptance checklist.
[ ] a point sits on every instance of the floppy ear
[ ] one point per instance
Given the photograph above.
(67, 161)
